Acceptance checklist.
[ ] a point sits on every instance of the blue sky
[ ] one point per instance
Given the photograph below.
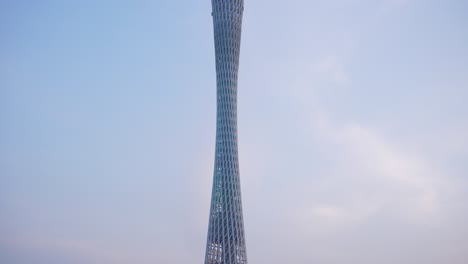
(352, 128)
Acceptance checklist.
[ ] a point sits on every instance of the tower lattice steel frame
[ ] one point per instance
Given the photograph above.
(226, 241)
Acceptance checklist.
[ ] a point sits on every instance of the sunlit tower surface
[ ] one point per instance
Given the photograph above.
(226, 241)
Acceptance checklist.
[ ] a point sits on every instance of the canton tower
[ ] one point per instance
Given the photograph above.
(226, 242)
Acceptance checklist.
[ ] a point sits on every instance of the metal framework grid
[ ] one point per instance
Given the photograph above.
(226, 240)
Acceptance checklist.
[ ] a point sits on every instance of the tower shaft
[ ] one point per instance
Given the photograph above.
(226, 240)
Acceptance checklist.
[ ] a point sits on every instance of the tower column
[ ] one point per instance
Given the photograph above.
(226, 240)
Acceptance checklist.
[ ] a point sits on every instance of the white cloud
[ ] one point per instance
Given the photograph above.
(387, 176)
(383, 159)
(332, 68)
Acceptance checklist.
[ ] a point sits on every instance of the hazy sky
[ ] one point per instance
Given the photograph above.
(353, 129)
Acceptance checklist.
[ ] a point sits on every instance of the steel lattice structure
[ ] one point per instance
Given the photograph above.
(226, 241)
